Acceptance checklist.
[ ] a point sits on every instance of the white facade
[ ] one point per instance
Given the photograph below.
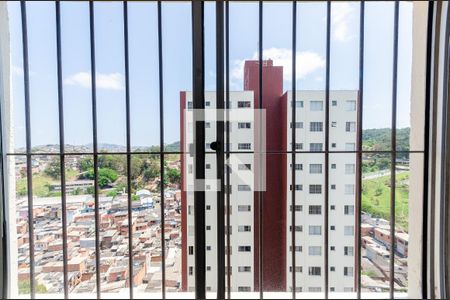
(241, 197)
(310, 172)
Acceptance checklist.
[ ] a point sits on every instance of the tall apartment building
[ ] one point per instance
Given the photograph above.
(244, 210)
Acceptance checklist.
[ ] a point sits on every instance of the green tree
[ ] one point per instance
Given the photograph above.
(53, 169)
(24, 287)
(85, 163)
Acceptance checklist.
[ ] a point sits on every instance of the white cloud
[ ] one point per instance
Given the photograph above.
(340, 17)
(307, 62)
(111, 81)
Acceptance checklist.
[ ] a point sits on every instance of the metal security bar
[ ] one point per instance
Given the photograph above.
(223, 154)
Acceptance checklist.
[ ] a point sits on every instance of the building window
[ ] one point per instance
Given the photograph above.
(208, 207)
(315, 209)
(316, 105)
(208, 227)
(190, 168)
(190, 105)
(314, 289)
(244, 125)
(191, 271)
(349, 189)
(244, 188)
(208, 268)
(332, 207)
(348, 290)
(349, 168)
(298, 125)
(208, 248)
(333, 187)
(315, 169)
(298, 228)
(298, 269)
(244, 289)
(208, 166)
(244, 167)
(244, 228)
(191, 250)
(207, 103)
(348, 271)
(298, 146)
(314, 271)
(315, 189)
(207, 125)
(297, 208)
(244, 208)
(349, 210)
(348, 251)
(315, 147)
(314, 250)
(332, 227)
(244, 104)
(298, 104)
(350, 126)
(298, 167)
(332, 248)
(350, 146)
(349, 230)
(244, 146)
(297, 248)
(315, 230)
(244, 249)
(244, 269)
(333, 103)
(298, 187)
(333, 124)
(350, 105)
(316, 126)
(332, 269)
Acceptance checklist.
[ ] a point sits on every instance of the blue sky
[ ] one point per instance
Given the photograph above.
(177, 62)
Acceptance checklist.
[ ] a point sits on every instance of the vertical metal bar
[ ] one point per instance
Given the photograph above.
(219, 152)
(61, 147)
(26, 74)
(161, 156)
(426, 159)
(359, 153)
(327, 144)
(294, 141)
(445, 167)
(198, 67)
(393, 150)
(95, 145)
(227, 100)
(260, 194)
(128, 133)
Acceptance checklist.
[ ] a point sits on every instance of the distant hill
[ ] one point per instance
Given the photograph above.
(378, 139)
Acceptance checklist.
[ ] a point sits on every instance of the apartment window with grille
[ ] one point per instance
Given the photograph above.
(244, 269)
(244, 125)
(244, 208)
(244, 104)
(244, 167)
(244, 146)
(298, 228)
(298, 269)
(298, 125)
(315, 230)
(244, 228)
(349, 168)
(349, 210)
(316, 126)
(298, 187)
(348, 250)
(298, 104)
(350, 126)
(316, 105)
(314, 271)
(314, 250)
(297, 208)
(349, 189)
(350, 105)
(315, 209)
(298, 146)
(244, 249)
(298, 167)
(244, 188)
(348, 271)
(315, 147)
(297, 248)
(315, 169)
(349, 230)
(315, 189)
